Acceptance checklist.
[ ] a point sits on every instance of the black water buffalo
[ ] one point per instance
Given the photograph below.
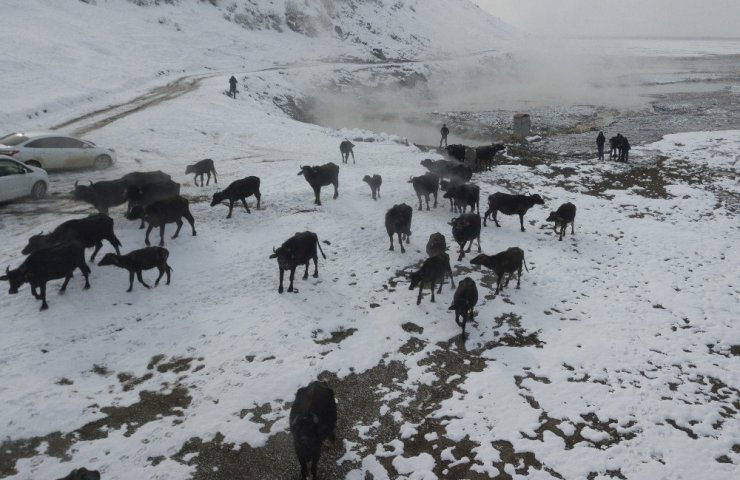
(425, 185)
(203, 167)
(436, 244)
(345, 148)
(299, 249)
(486, 153)
(445, 186)
(239, 190)
(565, 214)
(88, 232)
(313, 418)
(375, 182)
(466, 228)
(111, 193)
(143, 195)
(59, 261)
(82, 474)
(320, 176)
(511, 205)
(101, 195)
(432, 271)
(448, 169)
(139, 260)
(162, 212)
(462, 196)
(398, 222)
(465, 299)
(456, 151)
(507, 262)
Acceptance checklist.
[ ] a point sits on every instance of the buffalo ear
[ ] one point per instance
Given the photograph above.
(4, 278)
(76, 182)
(274, 255)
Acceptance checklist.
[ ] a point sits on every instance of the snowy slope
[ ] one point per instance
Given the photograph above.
(616, 357)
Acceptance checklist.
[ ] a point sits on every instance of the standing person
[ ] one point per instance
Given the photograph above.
(625, 150)
(444, 131)
(600, 141)
(232, 88)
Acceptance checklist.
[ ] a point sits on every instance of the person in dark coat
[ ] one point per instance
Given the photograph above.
(444, 131)
(232, 89)
(625, 150)
(600, 141)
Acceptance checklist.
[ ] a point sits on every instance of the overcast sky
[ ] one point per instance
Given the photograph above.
(673, 18)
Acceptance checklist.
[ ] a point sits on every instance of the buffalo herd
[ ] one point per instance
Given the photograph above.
(154, 198)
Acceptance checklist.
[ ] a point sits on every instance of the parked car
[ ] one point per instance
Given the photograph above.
(18, 180)
(49, 150)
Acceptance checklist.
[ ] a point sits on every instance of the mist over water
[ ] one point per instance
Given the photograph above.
(587, 72)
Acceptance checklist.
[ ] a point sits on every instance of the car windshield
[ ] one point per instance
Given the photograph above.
(13, 139)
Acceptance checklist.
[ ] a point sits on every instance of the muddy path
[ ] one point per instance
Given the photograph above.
(97, 119)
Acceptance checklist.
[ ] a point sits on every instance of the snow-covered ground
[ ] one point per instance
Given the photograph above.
(616, 358)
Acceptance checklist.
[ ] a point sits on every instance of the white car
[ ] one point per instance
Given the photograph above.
(18, 180)
(52, 151)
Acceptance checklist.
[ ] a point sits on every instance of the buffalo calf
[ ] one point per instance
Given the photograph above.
(432, 271)
(299, 249)
(203, 167)
(139, 260)
(313, 418)
(375, 182)
(239, 190)
(320, 176)
(425, 185)
(436, 245)
(466, 228)
(162, 212)
(398, 221)
(565, 214)
(345, 148)
(511, 205)
(466, 296)
(507, 262)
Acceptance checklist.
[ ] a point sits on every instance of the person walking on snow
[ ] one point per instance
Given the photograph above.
(600, 141)
(444, 131)
(232, 89)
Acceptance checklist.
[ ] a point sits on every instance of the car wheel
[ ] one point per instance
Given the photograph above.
(39, 190)
(102, 161)
(33, 163)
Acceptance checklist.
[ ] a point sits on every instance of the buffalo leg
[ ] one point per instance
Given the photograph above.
(315, 266)
(435, 199)
(259, 196)
(130, 280)
(317, 195)
(572, 227)
(353, 161)
(208, 182)
(471, 245)
(427, 198)
(390, 235)
(421, 287)
(305, 274)
(169, 273)
(304, 469)
(115, 242)
(141, 279)
(280, 288)
(148, 231)
(292, 275)
(42, 294)
(162, 270)
(498, 283)
(485, 216)
(64, 285)
(215, 180)
(378, 192)
(244, 202)
(315, 464)
(461, 252)
(521, 221)
(441, 283)
(33, 292)
(519, 279)
(400, 242)
(336, 189)
(85, 273)
(495, 220)
(191, 221)
(177, 231)
(98, 246)
(562, 231)
(231, 207)
(432, 283)
(479, 249)
(419, 197)
(142, 224)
